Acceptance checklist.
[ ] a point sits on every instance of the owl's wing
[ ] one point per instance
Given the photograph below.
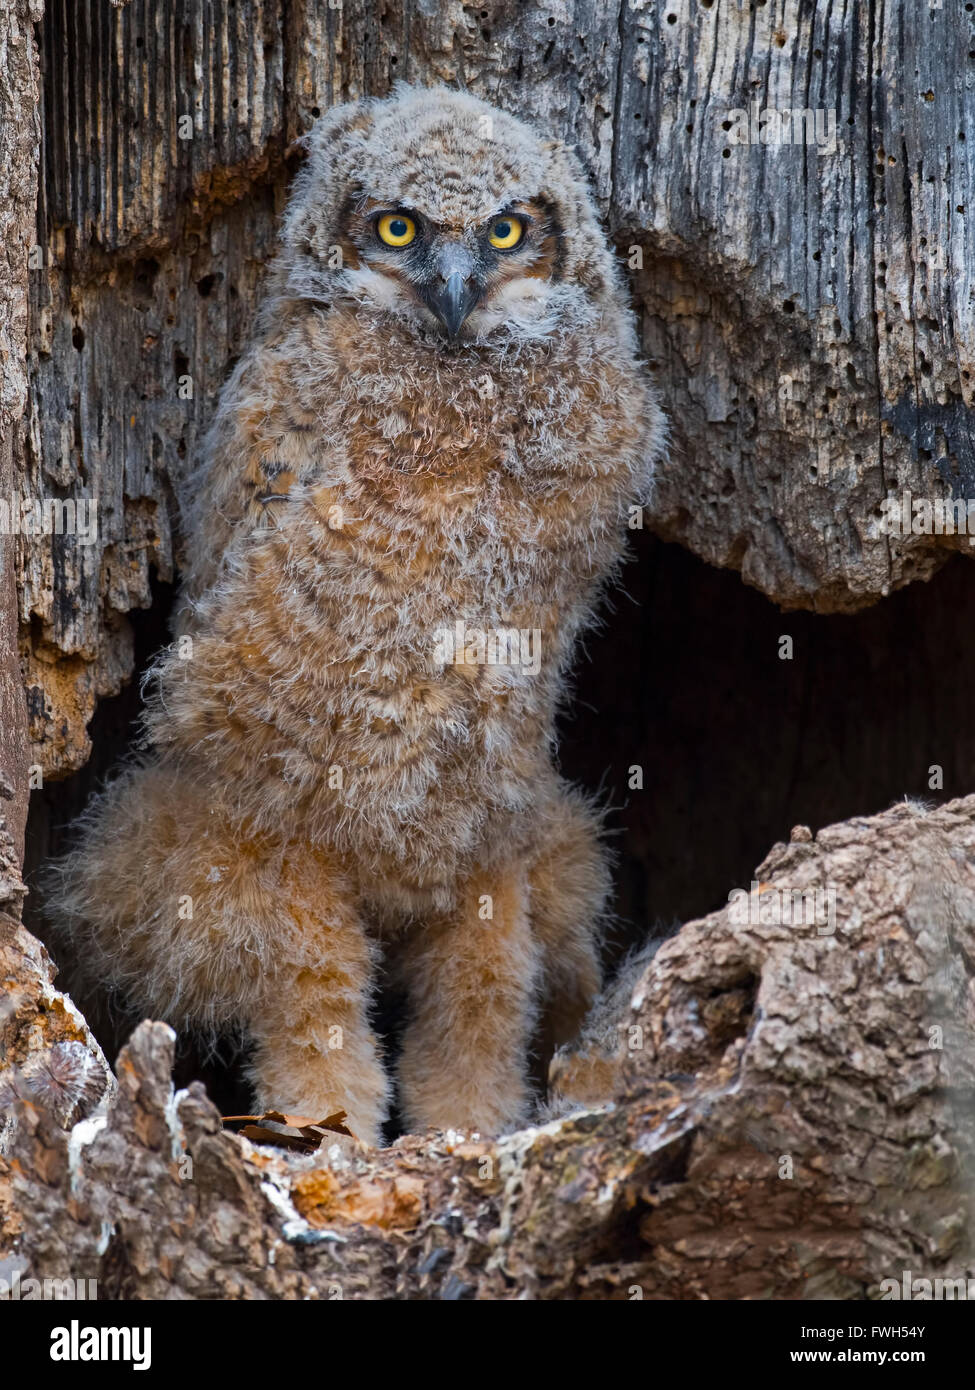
(262, 444)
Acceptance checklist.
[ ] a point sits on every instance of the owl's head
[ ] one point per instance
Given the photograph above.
(449, 215)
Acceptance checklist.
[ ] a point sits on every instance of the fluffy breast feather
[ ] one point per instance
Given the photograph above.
(403, 490)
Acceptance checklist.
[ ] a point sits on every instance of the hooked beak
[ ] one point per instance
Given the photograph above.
(452, 292)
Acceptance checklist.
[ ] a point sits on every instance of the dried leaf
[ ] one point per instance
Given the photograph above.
(257, 1134)
(311, 1132)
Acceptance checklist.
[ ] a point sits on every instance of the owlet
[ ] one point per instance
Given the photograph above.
(416, 486)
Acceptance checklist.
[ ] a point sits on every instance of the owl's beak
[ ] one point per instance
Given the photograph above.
(452, 292)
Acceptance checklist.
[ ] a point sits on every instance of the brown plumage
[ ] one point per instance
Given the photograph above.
(341, 780)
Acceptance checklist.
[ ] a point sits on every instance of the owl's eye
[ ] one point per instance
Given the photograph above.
(506, 233)
(396, 229)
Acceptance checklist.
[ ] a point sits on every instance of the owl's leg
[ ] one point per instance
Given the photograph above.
(315, 1048)
(471, 976)
(209, 924)
(570, 884)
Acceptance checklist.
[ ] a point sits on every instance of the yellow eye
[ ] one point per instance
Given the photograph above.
(396, 229)
(506, 233)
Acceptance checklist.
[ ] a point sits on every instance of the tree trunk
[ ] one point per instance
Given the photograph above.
(18, 197)
(788, 183)
(792, 1120)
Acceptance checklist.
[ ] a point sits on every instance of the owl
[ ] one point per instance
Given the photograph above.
(414, 491)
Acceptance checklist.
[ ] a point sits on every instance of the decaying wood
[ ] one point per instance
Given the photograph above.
(790, 1119)
(19, 142)
(47, 1051)
(808, 306)
(790, 1112)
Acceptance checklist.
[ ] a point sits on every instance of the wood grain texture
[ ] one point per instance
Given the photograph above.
(808, 310)
(810, 319)
(792, 1121)
(19, 139)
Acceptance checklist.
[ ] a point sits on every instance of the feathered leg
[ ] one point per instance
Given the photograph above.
(471, 977)
(570, 883)
(197, 919)
(316, 1051)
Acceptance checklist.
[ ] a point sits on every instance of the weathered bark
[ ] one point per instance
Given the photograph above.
(47, 1051)
(19, 141)
(791, 1120)
(809, 309)
(809, 312)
